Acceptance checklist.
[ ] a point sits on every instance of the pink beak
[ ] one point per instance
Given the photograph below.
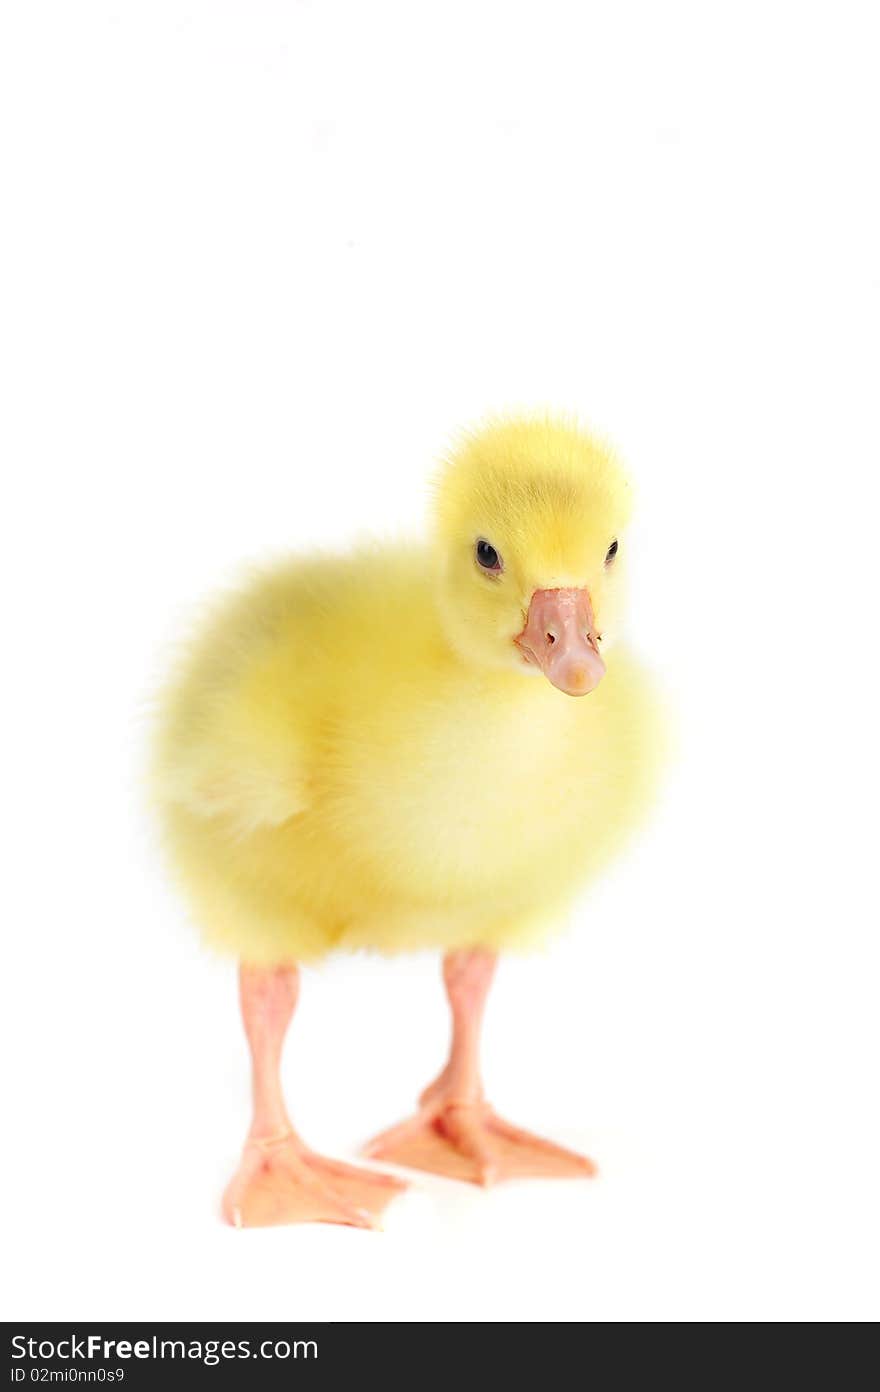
(560, 638)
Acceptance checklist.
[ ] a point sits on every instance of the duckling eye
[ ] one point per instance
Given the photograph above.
(612, 552)
(488, 557)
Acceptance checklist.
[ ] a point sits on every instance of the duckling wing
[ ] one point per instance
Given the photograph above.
(232, 740)
(238, 757)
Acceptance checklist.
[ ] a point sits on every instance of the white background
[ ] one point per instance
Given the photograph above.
(259, 262)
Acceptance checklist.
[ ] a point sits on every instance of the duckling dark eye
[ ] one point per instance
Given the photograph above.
(612, 552)
(487, 556)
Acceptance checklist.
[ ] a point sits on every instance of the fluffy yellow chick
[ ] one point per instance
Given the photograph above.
(381, 750)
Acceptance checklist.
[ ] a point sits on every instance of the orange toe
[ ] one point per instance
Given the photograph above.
(471, 1143)
(281, 1181)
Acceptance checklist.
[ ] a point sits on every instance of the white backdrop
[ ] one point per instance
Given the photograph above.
(259, 262)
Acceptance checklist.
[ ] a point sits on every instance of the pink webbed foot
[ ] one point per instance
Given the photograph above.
(455, 1132)
(468, 1141)
(279, 1180)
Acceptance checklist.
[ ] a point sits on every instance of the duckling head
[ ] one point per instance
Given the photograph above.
(528, 521)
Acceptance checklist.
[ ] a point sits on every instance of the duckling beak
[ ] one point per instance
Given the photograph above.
(560, 638)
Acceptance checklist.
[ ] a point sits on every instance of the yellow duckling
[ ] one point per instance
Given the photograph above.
(381, 750)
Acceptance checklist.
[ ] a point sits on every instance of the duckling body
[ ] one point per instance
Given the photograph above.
(407, 800)
(381, 750)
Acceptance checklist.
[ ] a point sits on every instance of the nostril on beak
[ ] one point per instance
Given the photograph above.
(551, 638)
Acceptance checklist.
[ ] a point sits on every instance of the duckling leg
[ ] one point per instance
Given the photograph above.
(455, 1132)
(279, 1180)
